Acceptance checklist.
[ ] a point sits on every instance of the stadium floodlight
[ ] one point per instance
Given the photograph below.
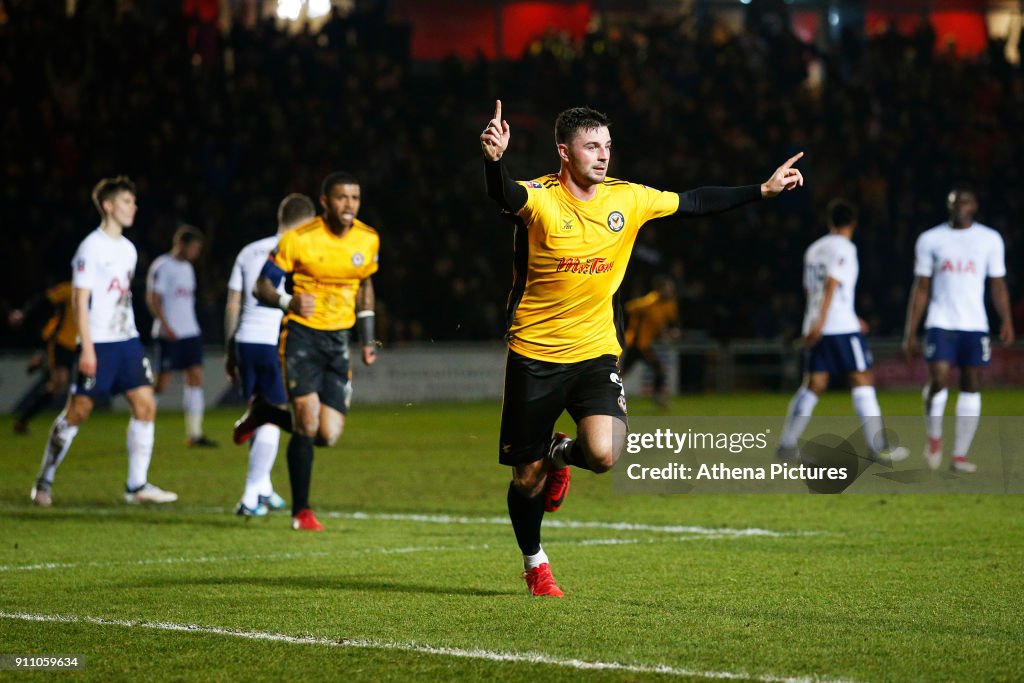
(289, 9)
(318, 8)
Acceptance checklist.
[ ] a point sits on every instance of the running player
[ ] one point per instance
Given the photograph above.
(951, 263)
(574, 234)
(649, 316)
(330, 261)
(61, 337)
(171, 297)
(834, 338)
(111, 360)
(251, 331)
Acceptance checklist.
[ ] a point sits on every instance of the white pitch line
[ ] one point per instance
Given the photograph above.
(564, 524)
(425, 518)
(419, 648)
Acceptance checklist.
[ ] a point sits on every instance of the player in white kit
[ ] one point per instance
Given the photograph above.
(171, 297)
(833, 337)
(111, 359)
(252, 331)
(951, 264)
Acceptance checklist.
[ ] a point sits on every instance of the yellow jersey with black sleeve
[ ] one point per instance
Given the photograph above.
(648, 316)
(329, 267)
(61, 328)
(570, 258)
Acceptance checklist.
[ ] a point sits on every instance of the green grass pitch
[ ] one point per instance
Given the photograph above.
(417, 576)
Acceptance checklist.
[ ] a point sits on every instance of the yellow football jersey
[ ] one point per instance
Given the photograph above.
(61, 328)
(328, 267)
(569, 262)
(648, 316)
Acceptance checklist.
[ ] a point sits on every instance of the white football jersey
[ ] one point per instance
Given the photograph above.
(258, 324)
(831, 256)
(105, 266)
(958, 261)
(174, 280)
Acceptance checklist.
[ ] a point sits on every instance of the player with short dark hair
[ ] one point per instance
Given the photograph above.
(171, 297)
(575, 230)
(111, 360)
(952, 262)
(330, 261)
(833, 338)
(252, 332)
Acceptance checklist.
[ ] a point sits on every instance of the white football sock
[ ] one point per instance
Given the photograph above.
(933, 411)
(194, 405)
(798, 416)
(865, 404)
(262, 453)
(140, 452)
(968, 412)
(57, 445)
(531, 561)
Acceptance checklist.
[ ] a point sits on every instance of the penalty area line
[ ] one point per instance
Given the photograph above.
(417, 648)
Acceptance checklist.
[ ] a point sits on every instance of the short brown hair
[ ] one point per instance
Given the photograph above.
(571, 121)
(187, 234)
(294, 209)
(108, 188)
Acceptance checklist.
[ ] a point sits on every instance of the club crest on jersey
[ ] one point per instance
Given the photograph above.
(566, 224)
(616, 221)
(357, 259)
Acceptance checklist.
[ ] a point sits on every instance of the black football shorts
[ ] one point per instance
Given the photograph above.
(536, 393)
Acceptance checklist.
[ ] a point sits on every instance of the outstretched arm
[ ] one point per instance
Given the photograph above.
(708, 200)
(500, 187)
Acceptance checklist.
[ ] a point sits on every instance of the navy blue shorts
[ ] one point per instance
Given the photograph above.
(120, 367)
(179, 354)
(963, 349)
(838, 354)
(259, 368)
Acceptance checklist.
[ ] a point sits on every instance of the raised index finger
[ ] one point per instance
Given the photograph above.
(497, 111)
(792, 160)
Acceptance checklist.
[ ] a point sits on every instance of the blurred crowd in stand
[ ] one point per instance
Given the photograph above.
(217, 126)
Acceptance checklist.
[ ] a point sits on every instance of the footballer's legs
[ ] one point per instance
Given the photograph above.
(141, 431)
(261, 412)
(54, 384)
(865, 404)
(798, 415)
(306, 427)
(526, 511)
(262, 453)
(935, 395)
(194, 403)
(968, 414)
(62, 433)
(658, 370)
(598, 444)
